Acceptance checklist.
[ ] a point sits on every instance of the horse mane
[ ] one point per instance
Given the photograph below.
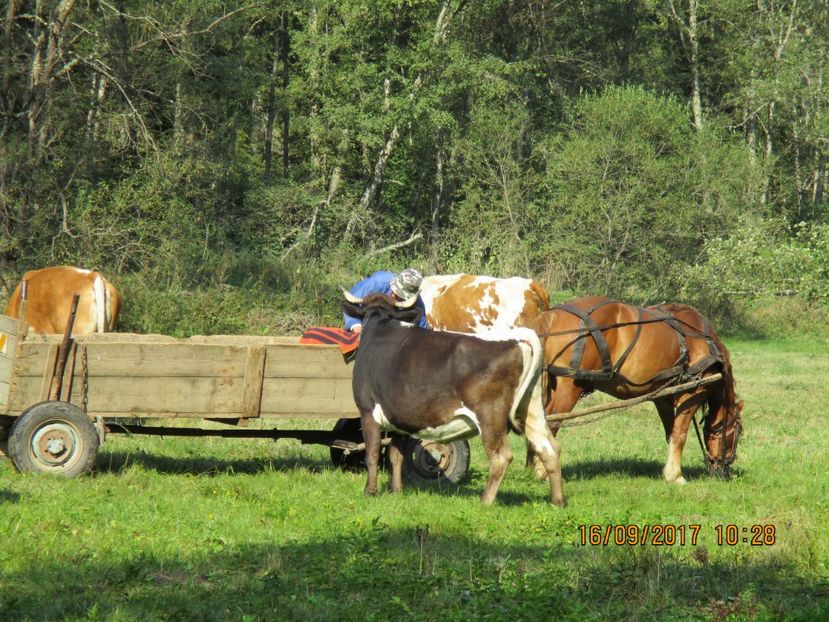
(729, 395)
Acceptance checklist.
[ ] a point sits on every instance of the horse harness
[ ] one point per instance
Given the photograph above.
(681, 371)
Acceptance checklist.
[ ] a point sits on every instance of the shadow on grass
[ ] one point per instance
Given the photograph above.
(471, 486)
(118, 462)
(7, 496)
(378, 573)
(631, 467)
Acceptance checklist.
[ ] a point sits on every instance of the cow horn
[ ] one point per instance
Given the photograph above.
(351, 297)
(405, 304)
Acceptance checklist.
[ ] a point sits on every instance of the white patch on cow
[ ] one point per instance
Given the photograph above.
(380, 417)
(464, 424)
(511, 300)
(509, 292)
(100, 310)
(82, 271)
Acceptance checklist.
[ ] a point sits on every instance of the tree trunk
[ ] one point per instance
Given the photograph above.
(286, 48)
(437, 201)
(819, 184)
(769, 152)
(271, 109)
(314, 88)
(693, 40)
(369, 194)
(689, 36)
(8, 27)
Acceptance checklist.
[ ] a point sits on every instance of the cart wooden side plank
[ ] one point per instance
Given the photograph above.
(152, 359)
(8, 343)
(185, 359)
(213, 377)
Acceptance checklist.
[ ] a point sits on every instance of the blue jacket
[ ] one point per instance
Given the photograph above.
(378, 283)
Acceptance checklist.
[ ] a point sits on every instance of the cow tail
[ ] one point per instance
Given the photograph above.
(543, 296)
(99, 288)
(529, 378)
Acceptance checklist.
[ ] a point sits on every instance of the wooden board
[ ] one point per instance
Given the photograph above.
(216, 377)
(172, 359)
(8, 325)
(8, 342)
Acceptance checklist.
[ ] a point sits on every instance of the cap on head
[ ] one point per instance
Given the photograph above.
(406, 284)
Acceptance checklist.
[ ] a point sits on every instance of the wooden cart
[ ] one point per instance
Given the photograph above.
(61, 396)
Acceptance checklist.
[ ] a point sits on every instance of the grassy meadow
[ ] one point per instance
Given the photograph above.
(252, 530)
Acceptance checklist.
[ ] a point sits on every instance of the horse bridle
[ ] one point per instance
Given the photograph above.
(728, 422)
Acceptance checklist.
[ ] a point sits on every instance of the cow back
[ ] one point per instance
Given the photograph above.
(49, 300)
(471, 303)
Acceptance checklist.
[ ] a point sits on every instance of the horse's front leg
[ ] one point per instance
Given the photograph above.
(686, 408)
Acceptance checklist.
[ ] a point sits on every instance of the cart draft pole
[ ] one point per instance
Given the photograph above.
(679, 388)
(63, 354)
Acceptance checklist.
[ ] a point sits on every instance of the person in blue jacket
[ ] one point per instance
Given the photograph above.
(400, 286)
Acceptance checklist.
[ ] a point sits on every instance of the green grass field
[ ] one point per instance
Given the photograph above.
(174, 529)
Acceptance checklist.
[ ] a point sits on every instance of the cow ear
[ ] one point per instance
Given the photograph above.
(412, 314)
(354, 310)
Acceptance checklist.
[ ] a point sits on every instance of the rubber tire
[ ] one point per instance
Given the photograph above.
(420, 467)
(58, 418)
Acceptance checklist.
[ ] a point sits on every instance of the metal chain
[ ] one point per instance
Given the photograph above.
(84, 377)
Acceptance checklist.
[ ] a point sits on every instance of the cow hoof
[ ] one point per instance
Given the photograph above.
(368, 492)
(562, 503)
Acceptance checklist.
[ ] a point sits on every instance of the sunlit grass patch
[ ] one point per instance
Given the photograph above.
(226, 529)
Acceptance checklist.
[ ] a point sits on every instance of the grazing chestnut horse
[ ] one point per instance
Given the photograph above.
(598, 344)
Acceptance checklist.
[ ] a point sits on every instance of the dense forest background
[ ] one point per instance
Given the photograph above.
(228, 164)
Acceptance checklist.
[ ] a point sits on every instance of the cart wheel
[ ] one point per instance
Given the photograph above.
(351, 430)
(54, 437)
(430, 462)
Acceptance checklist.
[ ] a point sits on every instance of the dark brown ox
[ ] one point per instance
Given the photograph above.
(625, 351)
(469, 303)
(444, 387)
(49, 300)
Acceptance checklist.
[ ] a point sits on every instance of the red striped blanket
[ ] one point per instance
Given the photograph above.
(326, 335)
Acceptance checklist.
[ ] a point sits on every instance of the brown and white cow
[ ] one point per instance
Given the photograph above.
(49, 300)
(446, 386)
(468, 303)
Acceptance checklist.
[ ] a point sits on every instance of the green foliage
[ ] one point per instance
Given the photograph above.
(763, 257)
(551, 141)
(630, 191)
